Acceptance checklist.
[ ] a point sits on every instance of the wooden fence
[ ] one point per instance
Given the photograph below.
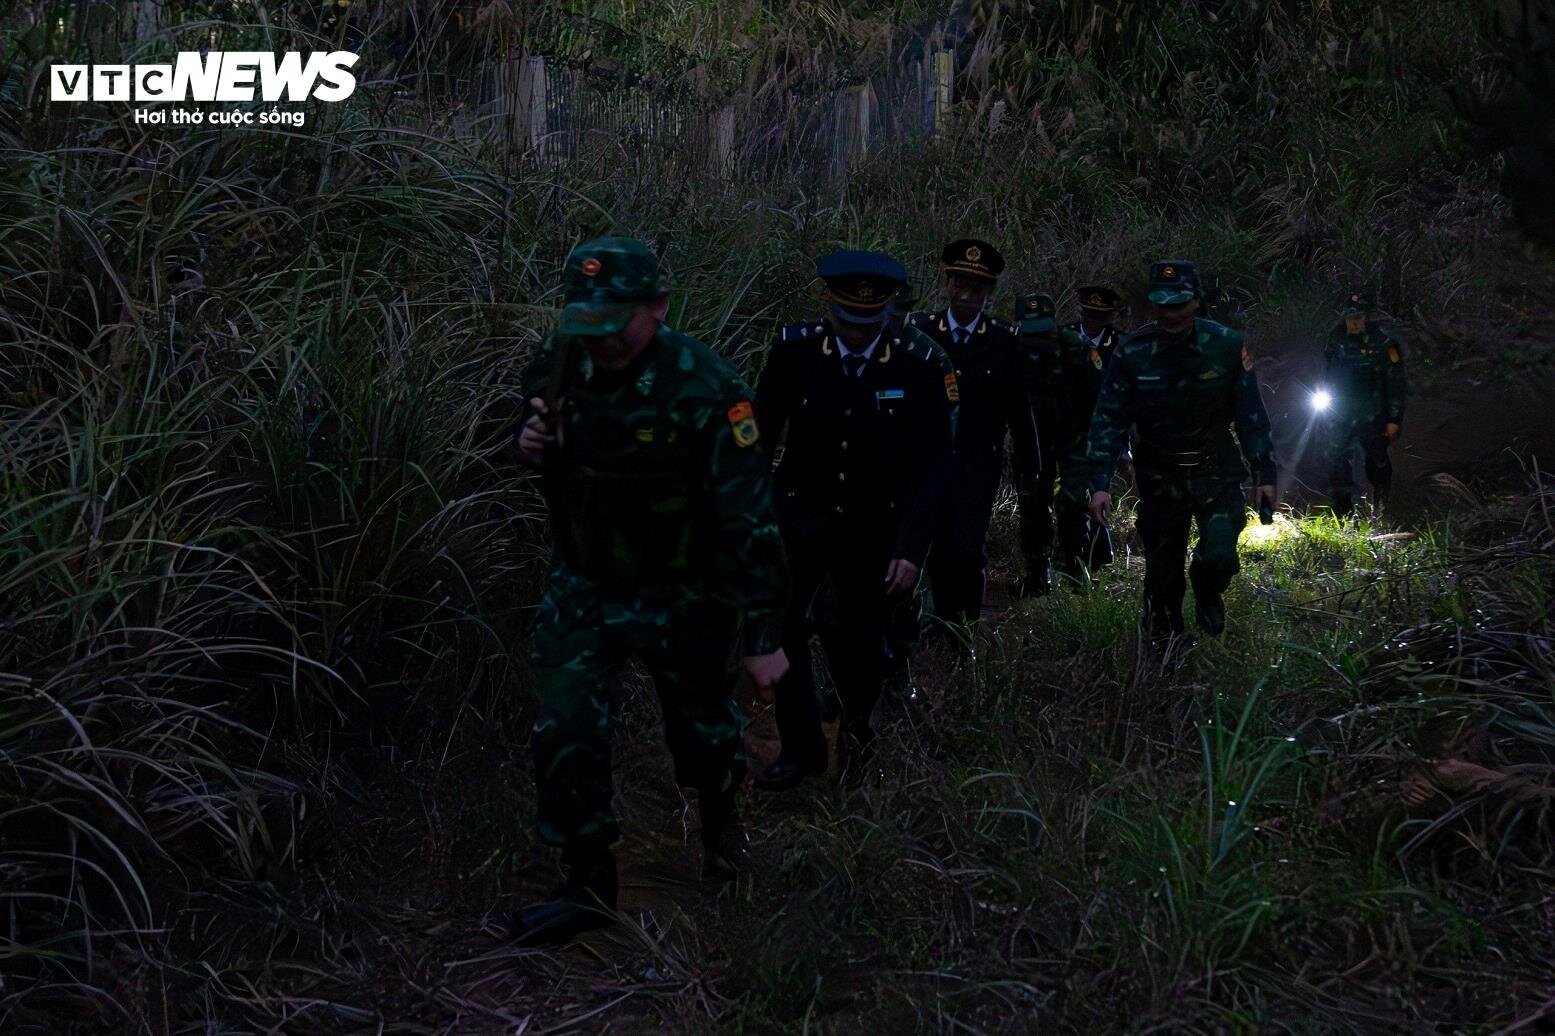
(540, 111)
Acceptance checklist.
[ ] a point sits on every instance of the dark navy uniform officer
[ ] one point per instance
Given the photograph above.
(864, 419)
(991, 375)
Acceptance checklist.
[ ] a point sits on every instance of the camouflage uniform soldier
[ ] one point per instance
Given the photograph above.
(1183, 382)
(1365, 378)
(666, 546)
(1069, 364)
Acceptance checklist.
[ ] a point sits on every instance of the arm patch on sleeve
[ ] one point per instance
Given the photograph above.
(1394, 356)
(1247, 361)
(742, 421)
(952, 390)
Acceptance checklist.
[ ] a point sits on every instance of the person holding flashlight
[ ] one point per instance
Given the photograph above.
(1363, 400)
(1185, 383)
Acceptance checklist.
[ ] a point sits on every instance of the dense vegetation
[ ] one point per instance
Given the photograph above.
(264, 566)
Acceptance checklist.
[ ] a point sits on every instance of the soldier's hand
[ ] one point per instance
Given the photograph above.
(1265, 495)
(1101, 507)
(765, 671)
(1391, 431)
(536, 436)
(901, 576)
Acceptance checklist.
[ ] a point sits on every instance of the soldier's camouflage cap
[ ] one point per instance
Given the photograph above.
(860, 285)
(1356, 304)
(1098, 298)
(1034, 313)
(1173, 282)
(972, 258)
(604, 280)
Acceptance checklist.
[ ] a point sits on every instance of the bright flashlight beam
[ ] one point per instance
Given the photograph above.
(1321, 400)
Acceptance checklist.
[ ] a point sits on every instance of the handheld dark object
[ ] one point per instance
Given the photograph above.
(1266, 512)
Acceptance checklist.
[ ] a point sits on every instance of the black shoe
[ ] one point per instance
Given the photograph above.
(786, 773)
(1212, 615)
(1038, 582)
(1342, 506)
(726, 851)
(585, 901)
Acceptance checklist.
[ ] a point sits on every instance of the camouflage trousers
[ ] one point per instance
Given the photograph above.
(1058, 499)
(1168, 506)
(1344, 435)
(582, 633)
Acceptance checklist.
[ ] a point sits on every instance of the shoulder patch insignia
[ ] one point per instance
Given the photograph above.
(1096, 359)
(742, 421)
(952, 390)
(1247, 361)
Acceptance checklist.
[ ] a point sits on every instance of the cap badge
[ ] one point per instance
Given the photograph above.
(973, 254)
(866, 292)
(591, 266)
(1168, 271)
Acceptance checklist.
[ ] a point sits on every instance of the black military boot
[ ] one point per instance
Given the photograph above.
(586, 900)
(725, 845)
(1343, 504)
(1038, 581)
(789, 771)
(1212, 614)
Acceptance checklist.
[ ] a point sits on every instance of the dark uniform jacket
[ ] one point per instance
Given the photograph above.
(1082, 367)
(857, 452)
(1185, 394)
(659, 486)
(1365, 373)
(990, 375)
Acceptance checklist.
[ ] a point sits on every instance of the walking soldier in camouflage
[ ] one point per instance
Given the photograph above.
(864, 417)
(1184, 382)
(1068, 364)
(666, 548)
(993, 406)
(1365, 380)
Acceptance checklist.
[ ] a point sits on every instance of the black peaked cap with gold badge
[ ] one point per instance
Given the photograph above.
(972, 258)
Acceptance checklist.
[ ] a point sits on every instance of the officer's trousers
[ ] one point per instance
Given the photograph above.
(580, 634)
(958, 560)
(855, 562)
(1168, 505)
(1371, 435)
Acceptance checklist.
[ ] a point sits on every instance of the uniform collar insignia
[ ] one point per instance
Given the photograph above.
(644, 380)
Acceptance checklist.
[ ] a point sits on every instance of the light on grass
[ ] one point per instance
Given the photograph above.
(1256, 534)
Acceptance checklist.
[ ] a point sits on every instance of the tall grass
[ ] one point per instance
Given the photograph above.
(258, 531)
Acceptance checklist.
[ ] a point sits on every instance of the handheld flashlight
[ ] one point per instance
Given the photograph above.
(1322, 399)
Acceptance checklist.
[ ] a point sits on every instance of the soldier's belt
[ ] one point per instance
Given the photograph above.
(1154, 456)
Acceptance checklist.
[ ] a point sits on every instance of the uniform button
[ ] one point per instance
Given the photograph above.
(848, 412)
(842, 476)
(839, 508)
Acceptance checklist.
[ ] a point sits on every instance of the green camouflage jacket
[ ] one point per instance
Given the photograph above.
(1184, 394)
(1365, 373)
(657, 485)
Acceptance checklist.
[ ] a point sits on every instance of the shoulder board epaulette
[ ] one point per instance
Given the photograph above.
(1000, 325)
(922, 318)
(802, 331)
